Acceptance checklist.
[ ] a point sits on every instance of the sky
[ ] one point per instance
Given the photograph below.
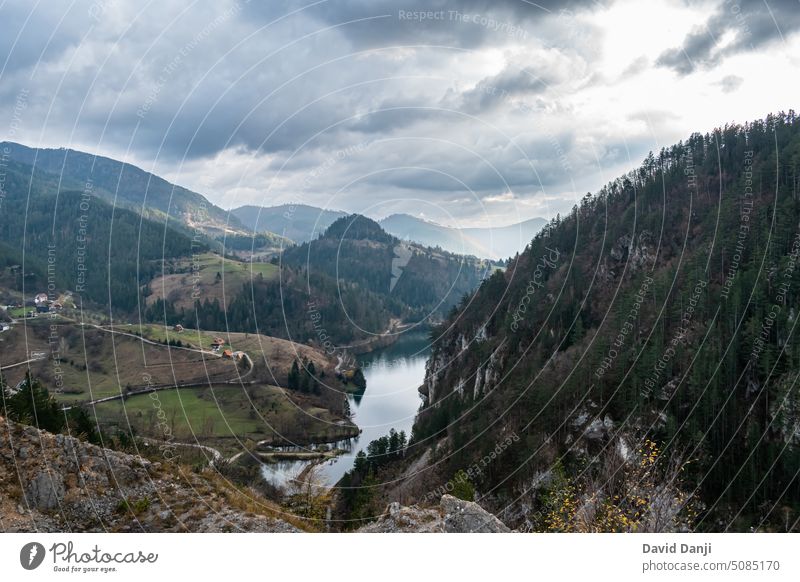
(471, 113)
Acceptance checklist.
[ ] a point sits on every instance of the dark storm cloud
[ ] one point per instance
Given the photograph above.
(262, 96)
(511, 82)
(751, 23)
(239, 119)
(26, 37)
(184, 89)
(392, 114)
(374, 23)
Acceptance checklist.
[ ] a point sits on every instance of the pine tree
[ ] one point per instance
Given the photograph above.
(33, 405)
(294, 377)
(312, 378)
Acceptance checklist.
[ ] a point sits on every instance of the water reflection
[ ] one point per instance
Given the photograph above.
(390, 400)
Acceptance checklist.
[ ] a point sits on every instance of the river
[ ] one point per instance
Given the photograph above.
(391, 400)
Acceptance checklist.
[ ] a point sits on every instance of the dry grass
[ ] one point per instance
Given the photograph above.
(249, 500)
(197, 279)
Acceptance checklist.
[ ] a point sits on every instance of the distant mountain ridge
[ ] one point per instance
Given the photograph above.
(303, 223)
(298, 222)
(491, 243)
(77, 255)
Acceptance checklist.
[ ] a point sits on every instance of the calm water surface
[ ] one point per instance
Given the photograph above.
(391, 400)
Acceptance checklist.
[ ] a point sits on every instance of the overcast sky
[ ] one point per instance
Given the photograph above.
(483, 112)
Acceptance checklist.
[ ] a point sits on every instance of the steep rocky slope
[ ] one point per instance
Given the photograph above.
(56, 483)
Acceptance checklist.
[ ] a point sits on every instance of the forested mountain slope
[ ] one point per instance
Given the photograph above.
(342, 289)
(70, 240)
(126, 185)
(414, 281)
(642, 350)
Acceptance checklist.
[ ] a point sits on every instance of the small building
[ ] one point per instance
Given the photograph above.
(177, 328)
(42, 307)
(40, 299)
(238, 355)
(227, 354)
(217, 343)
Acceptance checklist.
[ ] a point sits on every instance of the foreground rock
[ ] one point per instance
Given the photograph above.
(452, 516)
(56, 483)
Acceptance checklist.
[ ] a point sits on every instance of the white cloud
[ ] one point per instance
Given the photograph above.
(504, 197)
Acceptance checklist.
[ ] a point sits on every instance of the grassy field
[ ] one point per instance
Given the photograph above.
(94, 363)
(159, 333)
(193, 338)
(271, 355)
(84, 363)
(206, 276)
(191, 413)
(221, 416)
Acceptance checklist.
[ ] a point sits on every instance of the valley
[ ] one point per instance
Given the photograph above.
(390, 401)
(254, 359)
(301, 223)
(376, 267)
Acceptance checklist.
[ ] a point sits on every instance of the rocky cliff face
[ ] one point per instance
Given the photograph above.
(450, 367)
(452, 516)
(58, 483)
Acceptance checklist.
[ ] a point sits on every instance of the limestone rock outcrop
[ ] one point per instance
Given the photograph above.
(56, 483)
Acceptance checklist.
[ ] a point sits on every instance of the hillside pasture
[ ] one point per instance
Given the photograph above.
(205, 276)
